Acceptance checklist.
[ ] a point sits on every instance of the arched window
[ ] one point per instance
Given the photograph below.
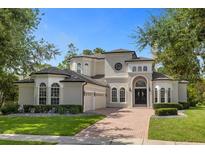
(42, 94)
(155, 95)
(79, 67)
(114, 95)
(86, 69)
(162, 93)
(169, 95)
(134, 69)
(141, 84)
(55, 93)
(122, 94)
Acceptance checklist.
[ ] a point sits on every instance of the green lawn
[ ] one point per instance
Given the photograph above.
(55, 125)
(190, 128)
(12, 142)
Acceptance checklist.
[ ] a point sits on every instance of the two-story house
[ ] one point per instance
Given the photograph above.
(118, 78)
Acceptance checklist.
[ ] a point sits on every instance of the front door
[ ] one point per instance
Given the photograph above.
(140, 96)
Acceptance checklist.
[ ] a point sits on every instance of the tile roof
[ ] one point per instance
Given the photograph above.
(160, 76)
(25, 81)
(119, 51)
(139, 59)
(71, 76)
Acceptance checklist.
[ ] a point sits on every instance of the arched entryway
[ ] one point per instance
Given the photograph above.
(140, 91)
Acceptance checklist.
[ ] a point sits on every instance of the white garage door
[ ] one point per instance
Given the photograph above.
(94, 100)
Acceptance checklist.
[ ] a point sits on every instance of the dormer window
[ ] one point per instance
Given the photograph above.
(79, 68)
(145, 68)
(134, 69)
(139, 68)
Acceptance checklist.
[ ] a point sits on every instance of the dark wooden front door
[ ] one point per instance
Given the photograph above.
(140, 96)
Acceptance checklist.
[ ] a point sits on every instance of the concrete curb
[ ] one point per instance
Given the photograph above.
(68, 140)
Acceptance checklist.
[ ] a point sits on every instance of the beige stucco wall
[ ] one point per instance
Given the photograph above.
(182, 92)
(26, 94)
(118, 83)
(111, 60)
(99, 67)
(72, 93)
(95, 66)
(48, 79)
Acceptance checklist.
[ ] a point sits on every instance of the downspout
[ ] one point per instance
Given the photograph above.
(83, 85)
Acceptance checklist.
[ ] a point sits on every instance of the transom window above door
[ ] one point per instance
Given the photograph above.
(140, 83)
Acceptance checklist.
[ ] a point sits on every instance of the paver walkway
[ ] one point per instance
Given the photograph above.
(120, 124)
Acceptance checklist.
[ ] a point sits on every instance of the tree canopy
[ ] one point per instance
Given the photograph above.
(19, 48)
(177, 39)
(20, 51)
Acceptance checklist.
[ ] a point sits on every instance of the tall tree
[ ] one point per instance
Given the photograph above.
(72, 51)
(8, 92)
(87, 52)
(98, 50)
(178, 37)
(19, 49)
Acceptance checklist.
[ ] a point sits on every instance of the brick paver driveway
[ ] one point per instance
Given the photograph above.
(120, 123)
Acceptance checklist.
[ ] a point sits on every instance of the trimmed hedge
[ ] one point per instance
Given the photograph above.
(166, 111)
(185, 105)
(9, 107)
(62, 109)
(168, 105)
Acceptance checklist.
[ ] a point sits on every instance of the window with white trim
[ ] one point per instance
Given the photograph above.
(139, 68)
(122, 94)
(162, 93)
(134, 69)
(42, 94)
(155, 95)
(86, 69)
(55, 94)
(145, 68)
(169, 95)
(114, 94)
(79, 68)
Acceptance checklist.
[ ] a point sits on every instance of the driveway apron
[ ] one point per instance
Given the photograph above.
(120, 123)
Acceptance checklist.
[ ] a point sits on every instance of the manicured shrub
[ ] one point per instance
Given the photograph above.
(168, 105)
(193, 103)
(9, 107)
(74, 110)
(166, 111)
(185, 105)
(62, 109)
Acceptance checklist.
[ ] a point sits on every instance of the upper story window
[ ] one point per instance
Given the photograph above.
(42, 93)
(145, 68)
(55, 93)
(86, 69)
(139, 68)
(79, 67)
(134, 69)
(118, 66)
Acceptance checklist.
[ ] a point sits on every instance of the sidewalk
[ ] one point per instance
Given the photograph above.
(90, 141)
